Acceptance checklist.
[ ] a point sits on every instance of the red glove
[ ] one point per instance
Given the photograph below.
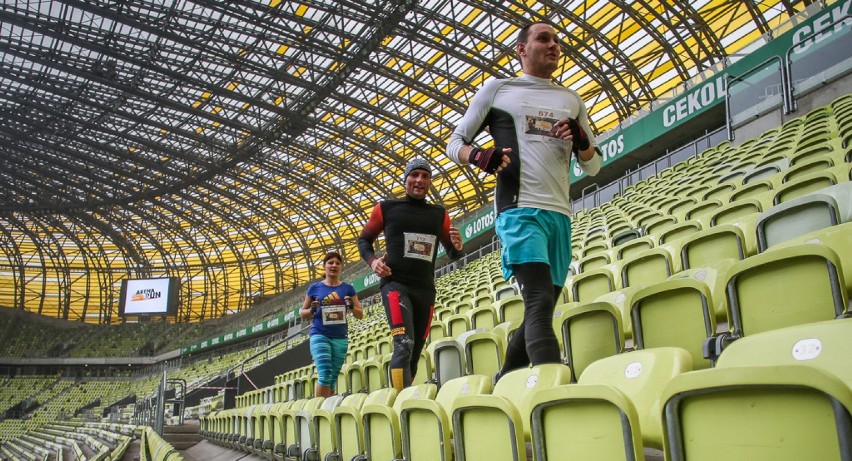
(487, 160)
(578, 134)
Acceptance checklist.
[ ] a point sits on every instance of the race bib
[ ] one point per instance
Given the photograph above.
(538, 123)
(419, 246)
(333, 314)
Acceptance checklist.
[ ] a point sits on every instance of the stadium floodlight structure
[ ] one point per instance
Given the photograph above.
(231, 144)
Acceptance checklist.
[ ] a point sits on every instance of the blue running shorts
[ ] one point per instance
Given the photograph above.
(533, 235)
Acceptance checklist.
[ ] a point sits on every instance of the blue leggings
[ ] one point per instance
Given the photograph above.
(329, 355)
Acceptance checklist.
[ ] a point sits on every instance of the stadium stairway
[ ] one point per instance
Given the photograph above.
(182, 437)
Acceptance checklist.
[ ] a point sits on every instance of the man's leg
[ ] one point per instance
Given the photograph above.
(534, 342)
(423, 302)
(398, 309)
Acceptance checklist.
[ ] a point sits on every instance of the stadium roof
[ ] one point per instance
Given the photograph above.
(232, 143)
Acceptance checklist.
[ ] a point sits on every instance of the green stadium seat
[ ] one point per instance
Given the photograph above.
(779, 413)
(348, 426)
(648, 267)
(641, 376)
(725, 241)
(382, 437)
(589, 331)
(676, 313)
(784, 287)
(824, 208)
(426, 431)
(484, 353)
(496, 426)
(824, 345)
(585, 421)
(587, 286)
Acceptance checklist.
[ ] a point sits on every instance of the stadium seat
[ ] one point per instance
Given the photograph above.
(457, 324)
(678, 231)
(648, 267)
(484, 353)
(641, 376)
(318, 436)
(725, 241)
(302, 436)
(510, 308)
(805, 185)
(437, 330)
(593, 261)
(676, 312)
(778, 413)
(585, 421)
(448, 358)
(382, 438)
(784, 287)
(736, 211)
(826, 207)
(589, 331)
(348, 426)
(374, 376)
(426, 431)
(589, 285)
(824, 345)
(354, 376)
(496, 426)
(483, 317)
(632, 247)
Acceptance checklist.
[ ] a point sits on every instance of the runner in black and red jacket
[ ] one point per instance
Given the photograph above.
(412, 228)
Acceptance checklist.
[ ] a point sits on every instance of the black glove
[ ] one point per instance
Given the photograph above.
(314, 305)
(348, 301)
(578, 134)
(486, 160)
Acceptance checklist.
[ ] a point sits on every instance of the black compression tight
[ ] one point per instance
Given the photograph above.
(534, 342)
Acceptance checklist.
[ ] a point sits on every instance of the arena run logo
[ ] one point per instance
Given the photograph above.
(481, 224)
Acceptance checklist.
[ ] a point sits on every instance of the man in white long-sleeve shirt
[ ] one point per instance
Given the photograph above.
(536, 125)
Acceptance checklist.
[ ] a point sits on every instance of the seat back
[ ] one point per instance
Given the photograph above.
(381, 422)
(484, 352)
(425, 425)
(510, 308)
(677, 313)
(448, 359)
(784, 287)
(589, 331)
(374, 376)
(779, 413)
(641, 376)
(590, 284)
(725, 241)
(585, 421)
(348, 427)
(647, 267)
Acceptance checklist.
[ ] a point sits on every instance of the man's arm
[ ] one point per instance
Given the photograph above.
(451, 239)
(375, 225)
(459, 146)
(369, 234)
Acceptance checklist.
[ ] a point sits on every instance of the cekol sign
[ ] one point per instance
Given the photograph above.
(705, 96)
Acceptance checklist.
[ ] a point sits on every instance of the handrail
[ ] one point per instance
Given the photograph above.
(792, 106)
(265, 350)
(730, 80)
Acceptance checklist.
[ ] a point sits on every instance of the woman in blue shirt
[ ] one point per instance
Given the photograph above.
(328, 302)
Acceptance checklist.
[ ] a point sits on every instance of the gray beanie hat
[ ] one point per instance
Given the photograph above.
(417, 163)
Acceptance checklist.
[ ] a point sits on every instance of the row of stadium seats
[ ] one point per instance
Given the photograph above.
(781, 381)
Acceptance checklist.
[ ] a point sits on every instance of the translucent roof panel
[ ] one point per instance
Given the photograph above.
(231, 144)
